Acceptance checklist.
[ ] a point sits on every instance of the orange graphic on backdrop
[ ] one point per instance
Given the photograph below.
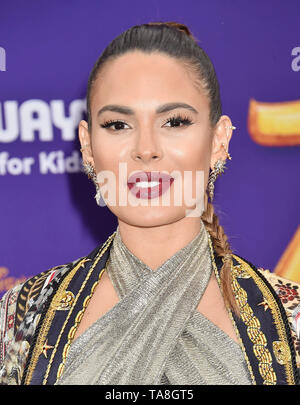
(278, 124)
(274, 124)
(6, 283)
(289, 263)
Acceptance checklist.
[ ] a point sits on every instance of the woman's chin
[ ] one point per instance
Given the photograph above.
(149, 216)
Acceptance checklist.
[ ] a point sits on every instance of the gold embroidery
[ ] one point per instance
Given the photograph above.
(72, 331)
(240, 271)
(45, 348)
(47, 323)
(265, 304)
(274, 279)
(60, 370)
(282, 352)
(66, 302)
(84, 261)
(74, 327)
(279, 324)
(255, 335)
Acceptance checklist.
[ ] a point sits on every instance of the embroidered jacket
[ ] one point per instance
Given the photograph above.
(39, 318)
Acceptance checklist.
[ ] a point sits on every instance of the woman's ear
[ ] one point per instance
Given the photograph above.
(85, 142)
(221, 138)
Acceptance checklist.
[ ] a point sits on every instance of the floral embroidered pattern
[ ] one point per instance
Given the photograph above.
(10, 321)
(287, 292)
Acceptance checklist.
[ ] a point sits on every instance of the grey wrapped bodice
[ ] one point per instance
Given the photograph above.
(154, 334)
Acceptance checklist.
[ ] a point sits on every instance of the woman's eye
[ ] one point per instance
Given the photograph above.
(177, 120)
(117, 124)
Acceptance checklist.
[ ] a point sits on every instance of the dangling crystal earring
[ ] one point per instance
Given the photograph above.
(90, 172)
(218, 169)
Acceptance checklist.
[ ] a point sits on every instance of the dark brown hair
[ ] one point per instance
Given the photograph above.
(176, 40)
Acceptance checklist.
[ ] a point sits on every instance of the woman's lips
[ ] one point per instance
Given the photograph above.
(164, 182)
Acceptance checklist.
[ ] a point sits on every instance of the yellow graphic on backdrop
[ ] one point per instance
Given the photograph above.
(289, 263)
(278, 124)
(274, 124)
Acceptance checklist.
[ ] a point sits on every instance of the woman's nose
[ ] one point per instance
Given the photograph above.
(146, 148)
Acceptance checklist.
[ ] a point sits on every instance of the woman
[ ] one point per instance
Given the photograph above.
(163, 300)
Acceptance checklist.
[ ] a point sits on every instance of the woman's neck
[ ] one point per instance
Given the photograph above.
(155, 245)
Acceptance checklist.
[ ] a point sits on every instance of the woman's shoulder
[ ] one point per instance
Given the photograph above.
(30, 296)
(288, 291)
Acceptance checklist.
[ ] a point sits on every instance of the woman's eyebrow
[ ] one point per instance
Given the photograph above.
(161, 109)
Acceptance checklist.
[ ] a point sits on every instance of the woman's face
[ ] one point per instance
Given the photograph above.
(143, 128)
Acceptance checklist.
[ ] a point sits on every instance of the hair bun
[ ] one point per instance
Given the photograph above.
(179, 26)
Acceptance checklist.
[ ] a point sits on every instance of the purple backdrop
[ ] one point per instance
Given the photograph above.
(48, 212)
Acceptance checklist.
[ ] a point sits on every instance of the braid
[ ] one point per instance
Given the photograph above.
(222, 248)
